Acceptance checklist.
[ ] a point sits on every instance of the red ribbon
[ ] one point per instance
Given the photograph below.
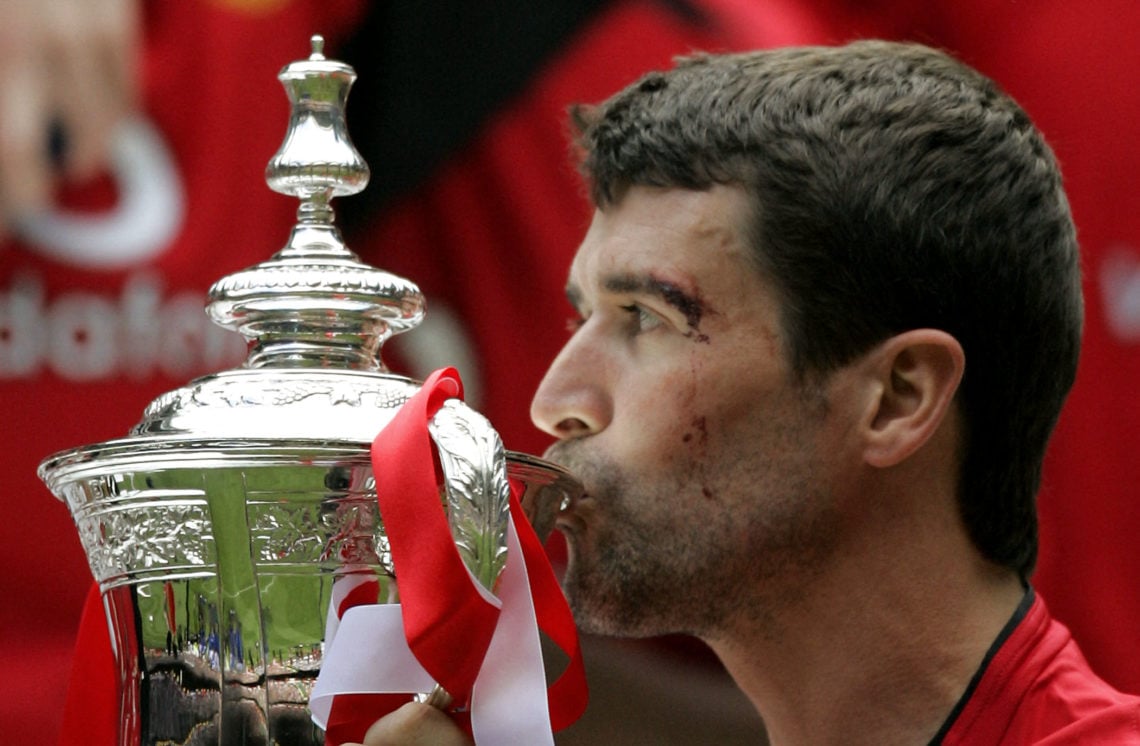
(568, 694)
(447, 621)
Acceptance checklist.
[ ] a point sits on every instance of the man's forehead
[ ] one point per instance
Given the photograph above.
(661, 242)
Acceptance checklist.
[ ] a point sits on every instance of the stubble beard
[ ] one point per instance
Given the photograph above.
(649, 569)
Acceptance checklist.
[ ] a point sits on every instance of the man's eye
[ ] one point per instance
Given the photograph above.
(646, 320)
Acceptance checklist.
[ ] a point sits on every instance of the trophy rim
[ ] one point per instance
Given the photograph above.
(547, 487)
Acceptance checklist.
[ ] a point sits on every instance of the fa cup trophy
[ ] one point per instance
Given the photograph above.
(219, 527)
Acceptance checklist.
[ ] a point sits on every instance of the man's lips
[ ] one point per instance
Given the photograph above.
(569, 518)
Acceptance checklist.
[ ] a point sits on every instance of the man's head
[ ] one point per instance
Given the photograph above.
(890, 189)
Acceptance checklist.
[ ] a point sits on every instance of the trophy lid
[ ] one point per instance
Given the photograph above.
(315, 318)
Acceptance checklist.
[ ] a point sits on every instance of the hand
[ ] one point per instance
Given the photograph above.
(415, 724)
(68, 65)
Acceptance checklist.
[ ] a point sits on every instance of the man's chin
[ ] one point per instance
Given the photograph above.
(594, 616)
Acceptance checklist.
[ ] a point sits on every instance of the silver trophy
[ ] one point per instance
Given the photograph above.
(218, 527)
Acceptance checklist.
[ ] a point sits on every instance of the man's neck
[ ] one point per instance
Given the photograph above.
(878, 653)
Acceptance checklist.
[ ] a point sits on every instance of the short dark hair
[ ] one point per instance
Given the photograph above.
(893, 188)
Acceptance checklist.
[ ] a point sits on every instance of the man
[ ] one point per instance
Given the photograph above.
(829, 309)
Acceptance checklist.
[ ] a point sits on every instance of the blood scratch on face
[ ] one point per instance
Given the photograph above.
(701, 426)
(699, 431)
(693, 307)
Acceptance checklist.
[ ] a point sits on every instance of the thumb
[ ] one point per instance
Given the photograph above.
(416, 724)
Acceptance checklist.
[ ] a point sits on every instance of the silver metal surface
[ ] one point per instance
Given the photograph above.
(217, 527)
(478, 494)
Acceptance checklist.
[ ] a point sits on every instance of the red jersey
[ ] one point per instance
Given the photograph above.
(1035, 687)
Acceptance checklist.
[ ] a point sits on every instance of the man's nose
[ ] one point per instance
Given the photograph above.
(574, 398)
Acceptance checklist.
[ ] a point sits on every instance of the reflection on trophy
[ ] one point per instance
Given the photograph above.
(218, 527)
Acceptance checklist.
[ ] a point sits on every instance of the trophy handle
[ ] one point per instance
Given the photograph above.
(476, 489)
(477, 494)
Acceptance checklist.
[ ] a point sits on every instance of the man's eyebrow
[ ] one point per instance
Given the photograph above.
(690, 305)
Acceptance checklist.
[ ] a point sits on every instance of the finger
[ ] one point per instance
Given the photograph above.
(416, 724)
(88, 92)
(25, 167)
(124, 50)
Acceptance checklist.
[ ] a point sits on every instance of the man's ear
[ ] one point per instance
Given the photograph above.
(916, 375)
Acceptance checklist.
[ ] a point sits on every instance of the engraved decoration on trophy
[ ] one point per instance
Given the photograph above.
(217, 527)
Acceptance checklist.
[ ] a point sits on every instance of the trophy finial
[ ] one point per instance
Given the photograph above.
(317, 161)
(314, 304)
